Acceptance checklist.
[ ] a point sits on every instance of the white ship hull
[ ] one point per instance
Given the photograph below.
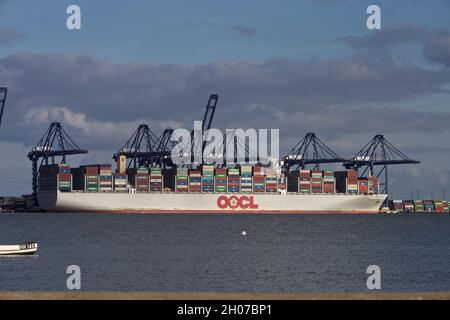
(167, 202)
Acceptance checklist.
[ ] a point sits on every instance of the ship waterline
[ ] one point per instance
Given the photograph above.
(172, 202)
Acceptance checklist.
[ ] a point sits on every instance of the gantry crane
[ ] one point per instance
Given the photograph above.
(310, 150)
(55, 143)
(141, 148)
(147, 149)
(378, 152)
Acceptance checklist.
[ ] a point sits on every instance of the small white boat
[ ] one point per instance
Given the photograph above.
(18, 249)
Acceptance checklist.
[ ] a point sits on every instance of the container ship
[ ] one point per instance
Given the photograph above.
(207, 189)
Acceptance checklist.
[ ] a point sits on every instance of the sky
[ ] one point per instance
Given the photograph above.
(297, 66)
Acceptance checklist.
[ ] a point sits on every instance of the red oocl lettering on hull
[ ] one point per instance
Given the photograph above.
(235, 202)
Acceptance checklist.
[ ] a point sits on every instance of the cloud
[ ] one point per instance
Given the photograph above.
(437, 48)
(8, 36)
(244, 31)
(385, 38)
(427, 149)
(85, 128)
(435, 43)
(103, 102)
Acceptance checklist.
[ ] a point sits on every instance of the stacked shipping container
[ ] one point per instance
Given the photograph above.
(316, 181)
(91, 178)
(142, 180)
(208, 178)
(246, 178)
(373, 185)
(55, 176)
(363, 186)
(352, 181)
(195, 181)
(259, 179)
(120, 182)
(105, 177)
(271, 181)
(220, 180)
(304, 181)
(156, 180)
(86, 178)
(181, 180)
(293, 182)
(234, 180)
(329, 182)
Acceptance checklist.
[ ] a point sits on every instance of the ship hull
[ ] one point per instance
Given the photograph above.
(214, 203)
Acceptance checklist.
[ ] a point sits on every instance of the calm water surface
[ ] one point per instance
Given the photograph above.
(208, 253)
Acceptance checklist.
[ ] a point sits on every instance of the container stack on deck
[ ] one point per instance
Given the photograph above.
(329, 182)
(220, 180)
(105, 178)
(374, 185)
(195, 181)
(55, 176)
(156, 180)
(271, 181)
(208, 178)
(304, 181)
(259, 179)
(91, 178)
(142, 180)
(120, 182)
(316, 181)
(363, 185)
(293, 182)
(86, 178)
(352, 181)
(234, 180)
(246, 178)
(181, 180)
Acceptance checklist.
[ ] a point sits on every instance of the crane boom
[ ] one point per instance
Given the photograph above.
(3, 92)
(208, 117)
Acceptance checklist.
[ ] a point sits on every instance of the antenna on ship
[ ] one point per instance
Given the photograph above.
(378, 152)
(55, 143)
(310, 150)
(3, 92)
